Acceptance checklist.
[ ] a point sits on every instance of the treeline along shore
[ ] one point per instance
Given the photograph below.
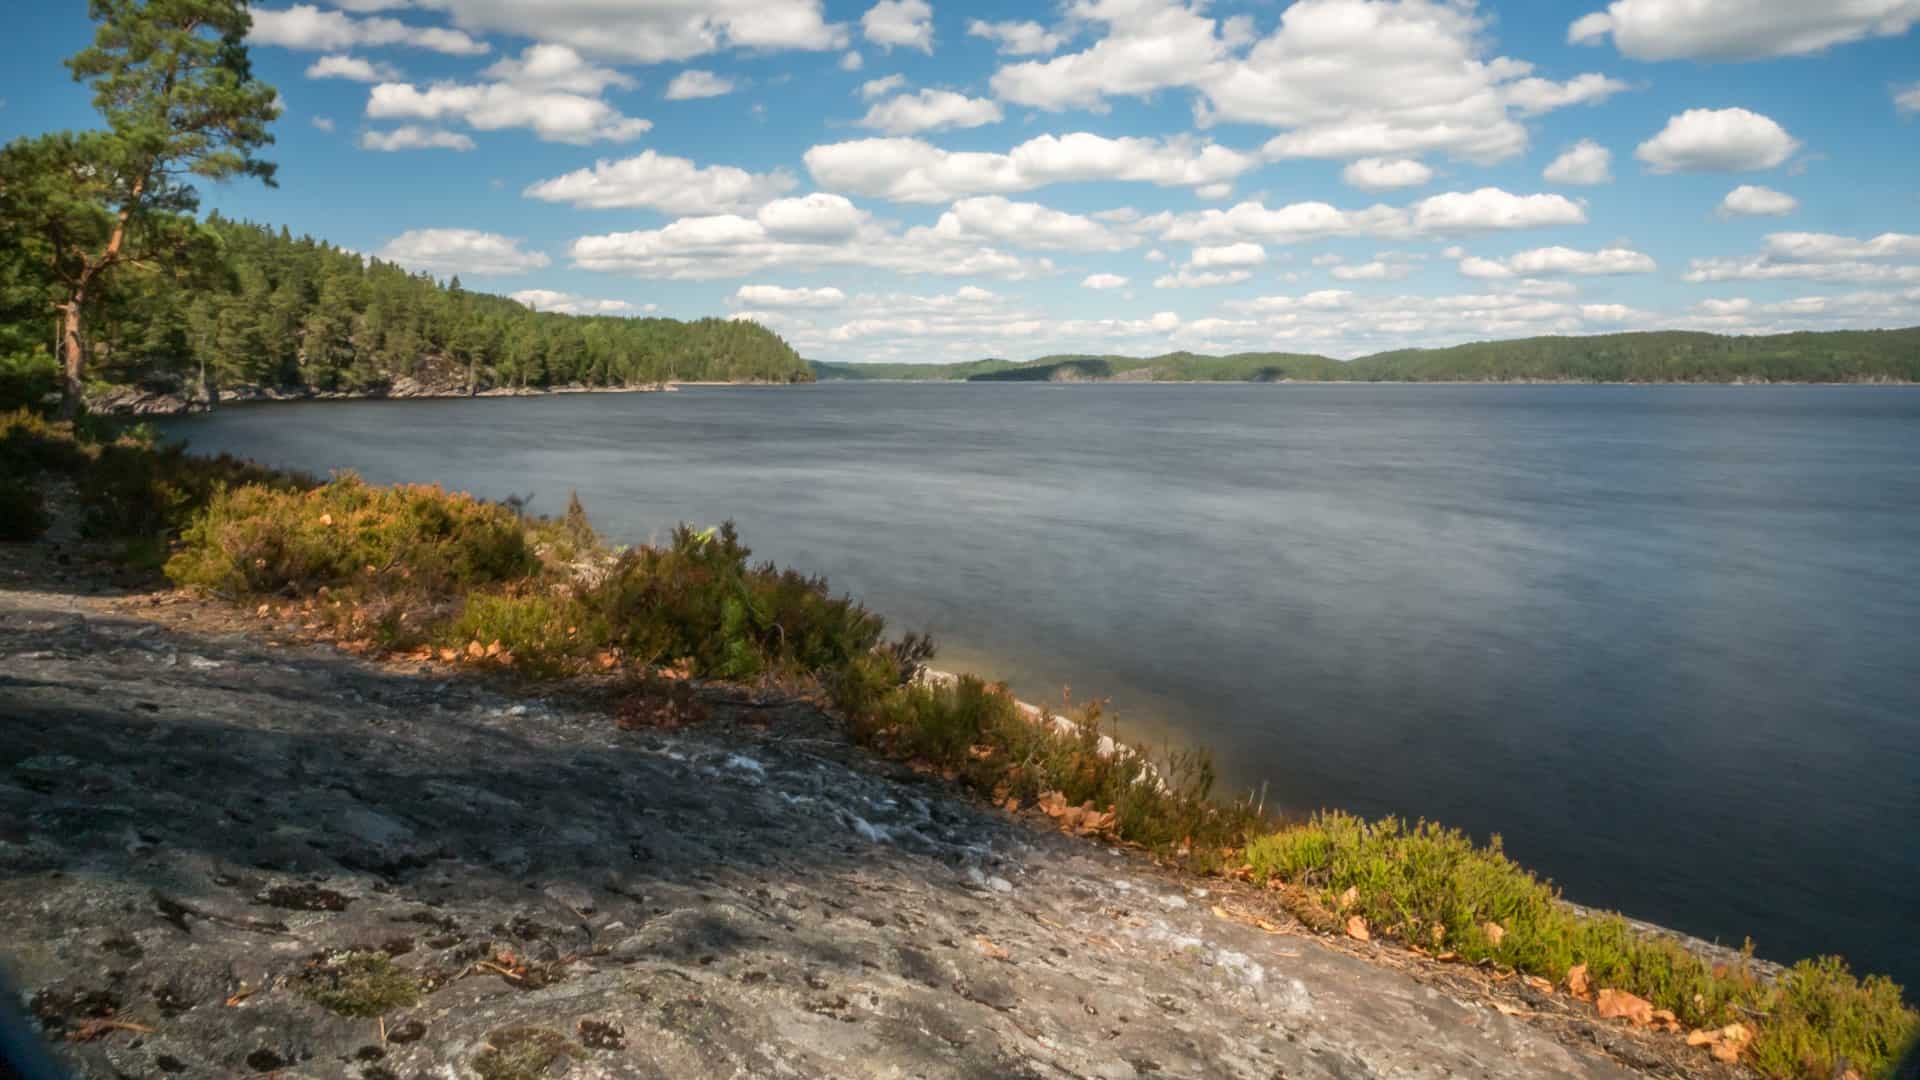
(272, 316)
(1671, 356)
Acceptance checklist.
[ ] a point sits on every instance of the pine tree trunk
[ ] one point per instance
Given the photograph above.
(74, 356)
(73, 375)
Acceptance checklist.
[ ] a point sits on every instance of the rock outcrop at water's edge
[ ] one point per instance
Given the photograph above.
(222, 857)
(176, 400)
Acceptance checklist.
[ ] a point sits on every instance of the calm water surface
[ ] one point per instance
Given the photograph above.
(1663, 640)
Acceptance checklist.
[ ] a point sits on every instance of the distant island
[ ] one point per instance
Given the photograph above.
(1668, 356)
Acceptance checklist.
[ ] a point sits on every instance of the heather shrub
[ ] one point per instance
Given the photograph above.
(256, 540)
(545, 634)
(1433, 887)
(698, 600)
(979, 734)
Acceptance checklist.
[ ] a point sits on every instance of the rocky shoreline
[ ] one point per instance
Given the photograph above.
(225, 854)
(177, 400)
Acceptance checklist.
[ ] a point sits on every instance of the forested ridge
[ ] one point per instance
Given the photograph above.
(1649, 357)
(297, 313)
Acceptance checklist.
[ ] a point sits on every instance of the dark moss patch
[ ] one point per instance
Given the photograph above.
(304, 898)
(521, 1053)
(411, 1031)
(436, 920)
(58, 1009)
(172, 1000)
(360, 984)
(600, 1035)
(266, 1060)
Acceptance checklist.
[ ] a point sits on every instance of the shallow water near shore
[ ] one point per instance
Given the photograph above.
(1662, 639)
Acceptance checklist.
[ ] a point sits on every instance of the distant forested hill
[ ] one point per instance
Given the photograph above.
(827, 372)
(1663, 356)
(295, 313)
(1173, 367)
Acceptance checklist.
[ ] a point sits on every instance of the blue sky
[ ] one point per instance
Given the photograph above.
(915, 180)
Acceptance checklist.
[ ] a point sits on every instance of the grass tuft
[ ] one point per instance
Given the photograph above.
(521, 1053)
(359, 984)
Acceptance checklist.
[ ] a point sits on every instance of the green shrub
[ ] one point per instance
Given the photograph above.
(547, 635)
(1824, 1018)
(1433, 887)
(31, 444)
(254, 540)
(977, 732)
(698, 600)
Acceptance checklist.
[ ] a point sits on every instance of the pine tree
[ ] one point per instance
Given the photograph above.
(172, 79)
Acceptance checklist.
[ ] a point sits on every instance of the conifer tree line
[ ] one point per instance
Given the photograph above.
(106, 273)
(297, 312)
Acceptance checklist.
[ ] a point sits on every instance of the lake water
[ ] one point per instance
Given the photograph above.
(1665, 640)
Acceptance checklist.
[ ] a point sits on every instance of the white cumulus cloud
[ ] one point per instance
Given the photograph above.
(656, 181)
(563, 303)
(1187, 277)
(1818, 257)
(930, 110)
(461, 251)
(1717, 140)
(1103, 281)
(1740, 29)
(1560, 260)
(342, 66)
(1028, 225)
(776, 296)
(1749, 200)
(905, 24)
(1320, 76)
(658, 31)
(1384, 174)
(881, 87)
(412, 137)
(553, 115)
(555, 67)
(1533, 95)
(817, 231)
(1016, 38)
(694, 83)
(304, 26)
(1823, 246)
(1244, 253)
(910, 170)
(1494, 208)
(1585, 162)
